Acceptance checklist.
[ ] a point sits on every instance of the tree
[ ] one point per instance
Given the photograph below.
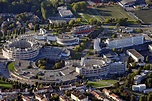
(142, 98)
(147, 58)
(43, 11)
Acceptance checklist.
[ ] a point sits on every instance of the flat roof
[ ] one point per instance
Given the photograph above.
(135, 53)
(65, 13)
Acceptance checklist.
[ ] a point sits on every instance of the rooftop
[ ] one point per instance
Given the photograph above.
(78, 94)
(65, 13)
(135, 53)
(124, 36)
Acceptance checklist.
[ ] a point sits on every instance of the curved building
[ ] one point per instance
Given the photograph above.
(65, 39)
(20, 49)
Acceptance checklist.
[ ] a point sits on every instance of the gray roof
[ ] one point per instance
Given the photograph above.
(135, 53)
(124, 2)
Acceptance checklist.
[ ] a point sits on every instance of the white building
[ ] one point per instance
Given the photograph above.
(139, 87)
(78, 96)
(65, 39)
(99, 67)
(125, 40)
(20, 49)
(65, 53)
(66, 13)
(150, 47)
(117, 68)
(96, 45)
(43, 35)
(147, 90)
(135, 55)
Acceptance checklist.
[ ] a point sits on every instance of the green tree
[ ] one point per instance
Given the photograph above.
(43, 10)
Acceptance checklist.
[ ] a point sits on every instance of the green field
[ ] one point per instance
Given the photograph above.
(5, 85)
(144, 15)
(114, 11)
(101, 83)
(11, 66)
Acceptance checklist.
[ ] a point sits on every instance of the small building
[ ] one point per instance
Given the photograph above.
(96, 45)
(78, 96)
(111, 55)
(97, 95)
(66, 13)
(147, 90)
(135, 55)
(64, 98)
(85, 29)
(140, 87)
(106, 92)
(65, 39)
(150, 47)
(125, 3)
(65, 53)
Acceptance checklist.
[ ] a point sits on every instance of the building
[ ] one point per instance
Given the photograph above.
(65, 53)
(138, 78)
(135, 55)
(85, 29)
(96, 45)
(97, 95)
(139, 87)
(64, 98)
(65, 39)
(99, 67)
(106, 92)
(117, 68)
(92, 67)
(126, 3)
(20, 49)
(110, 55)
(43, 35)
(125, 40)
(78, 96)
(150, 47)
(66, 13)
(41, 97)
(147, 90)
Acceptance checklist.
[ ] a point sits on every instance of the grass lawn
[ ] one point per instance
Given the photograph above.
(114, 11)
(101, 83)
(11, 66)
(144, 15)
(5, 85)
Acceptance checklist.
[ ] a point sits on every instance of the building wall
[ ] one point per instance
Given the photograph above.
(117, 67)
(20, 55)
(135, 58)
(125, 42)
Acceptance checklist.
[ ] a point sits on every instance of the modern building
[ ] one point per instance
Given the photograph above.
(92, 67)
(150, 47)
(66, 13)
(140, 87)
(96, 45)
(110, 55)
(125, 40)
(85, 29)
(135, 55)
(126, 3)
(147, 90)
(44, 36)
(66, 39)
(117, 68)
(65, 53)
(21, 49)
(78, 96)
(99, 67)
